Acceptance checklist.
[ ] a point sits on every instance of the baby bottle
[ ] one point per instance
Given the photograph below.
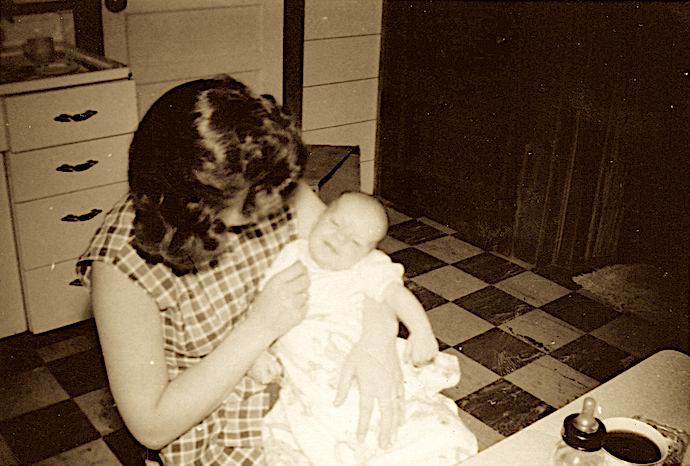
(583, 437)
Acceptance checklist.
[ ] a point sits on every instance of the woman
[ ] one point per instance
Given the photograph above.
(174, 273)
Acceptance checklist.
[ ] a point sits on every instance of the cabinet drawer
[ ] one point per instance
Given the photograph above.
(51, 301)
(73, 167)
(44, 119)
(59, 228)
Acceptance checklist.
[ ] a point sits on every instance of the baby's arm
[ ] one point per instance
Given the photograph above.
(422, 345)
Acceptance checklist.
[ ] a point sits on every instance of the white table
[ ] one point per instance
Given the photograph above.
(657, 388)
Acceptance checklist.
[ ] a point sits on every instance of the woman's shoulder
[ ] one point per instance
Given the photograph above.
(113, 235)
(309, 208)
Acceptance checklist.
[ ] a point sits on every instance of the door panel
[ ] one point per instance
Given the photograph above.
(169, 42)
(448, 97)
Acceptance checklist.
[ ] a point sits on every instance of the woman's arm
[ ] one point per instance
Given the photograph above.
(157, 410)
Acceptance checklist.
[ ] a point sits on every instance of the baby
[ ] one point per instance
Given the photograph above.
(304, 427)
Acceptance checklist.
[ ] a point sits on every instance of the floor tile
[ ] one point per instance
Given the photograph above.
(18, 354)
(504, 407)
(594, 358)
(27, 391)
(473, 376)
(493, 305)
(126, 448)
(486, 436)
(439, 226)
(47, 432)
(92, 453)
(80, 373)
(581, 311)
(532, 288)
(86, 327)
(442, 346)
(390, 245)
(415, 261)
(403, 332)
(449, 249)
(6, 456)
(394, 216)
(635, 335)
(428, 298)
(449, 282)
(413, 232)
(542, 330)
(68, 347)
(552, 381)
(500, 352)
(525, 265)
(489, 268)
(453, 325)
(99, 407)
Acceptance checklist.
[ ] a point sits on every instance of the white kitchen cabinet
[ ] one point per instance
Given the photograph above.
(65, 145)
(169, 42)
(12, 319)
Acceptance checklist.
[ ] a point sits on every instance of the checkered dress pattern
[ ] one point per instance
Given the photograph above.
(198, 310)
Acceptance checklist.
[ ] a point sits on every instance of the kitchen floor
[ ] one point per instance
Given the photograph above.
(526, 347)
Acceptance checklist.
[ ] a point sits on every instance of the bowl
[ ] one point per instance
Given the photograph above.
(631, 442)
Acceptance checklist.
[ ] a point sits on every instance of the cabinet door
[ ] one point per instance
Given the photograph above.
(12, 318)
(168, 42)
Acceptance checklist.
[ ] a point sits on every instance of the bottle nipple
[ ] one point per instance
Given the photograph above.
(586, 421)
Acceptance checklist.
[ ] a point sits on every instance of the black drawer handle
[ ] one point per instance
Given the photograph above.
(77, 168)
(81, 218)
(65, 118)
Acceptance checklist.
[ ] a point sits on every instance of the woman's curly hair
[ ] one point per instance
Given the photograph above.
(199, 147)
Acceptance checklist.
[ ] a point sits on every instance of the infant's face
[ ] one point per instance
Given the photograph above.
(346, 232)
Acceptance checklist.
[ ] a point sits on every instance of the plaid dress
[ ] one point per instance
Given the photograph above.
(198, 310)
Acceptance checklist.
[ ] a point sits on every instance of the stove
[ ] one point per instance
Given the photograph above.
(70, 67)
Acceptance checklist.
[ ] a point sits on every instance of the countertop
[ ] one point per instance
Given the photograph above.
(657, 388)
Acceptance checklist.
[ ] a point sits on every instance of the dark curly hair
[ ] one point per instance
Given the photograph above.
(198, 148)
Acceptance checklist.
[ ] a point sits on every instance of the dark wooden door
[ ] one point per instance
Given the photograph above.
(447, 113)
(556, 132)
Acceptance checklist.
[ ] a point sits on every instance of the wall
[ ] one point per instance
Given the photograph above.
(342, 41)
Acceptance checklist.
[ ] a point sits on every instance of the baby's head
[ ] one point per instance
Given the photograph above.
(348, 230)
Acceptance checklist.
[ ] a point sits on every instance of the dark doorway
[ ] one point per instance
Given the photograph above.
(447, 113)
(555, 132)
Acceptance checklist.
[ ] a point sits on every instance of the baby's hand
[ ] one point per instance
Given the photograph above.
(421, 348)
(266, 369)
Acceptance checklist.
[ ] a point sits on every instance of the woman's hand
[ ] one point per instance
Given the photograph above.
(374, 363)
(283, 302)
(266, 369)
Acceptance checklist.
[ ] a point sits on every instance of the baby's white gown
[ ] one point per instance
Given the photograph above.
(304, 428)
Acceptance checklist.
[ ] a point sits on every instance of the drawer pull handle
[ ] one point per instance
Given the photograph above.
(76, 282)
(76, 168)
(65, 118)
(81, 218)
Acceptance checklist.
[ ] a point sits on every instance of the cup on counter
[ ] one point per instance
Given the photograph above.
(631, 442)
(39, 49)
